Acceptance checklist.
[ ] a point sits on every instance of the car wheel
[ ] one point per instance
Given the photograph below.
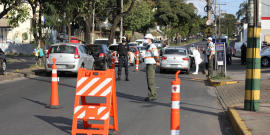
(4, 67)
(105, 66)
(188, 71)
(265, 62)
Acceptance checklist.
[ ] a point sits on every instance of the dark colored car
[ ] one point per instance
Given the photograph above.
(3, 64)
(102, 56)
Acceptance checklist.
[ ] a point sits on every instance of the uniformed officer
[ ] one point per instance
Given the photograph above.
(151, 60)
(243, 54)
(123, 51)
(210, 56)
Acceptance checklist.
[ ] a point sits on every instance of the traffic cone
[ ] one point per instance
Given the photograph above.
(54, 88)
(175, 110)
(137, 62)
(199, 50)
(197, 47)
(113, 60)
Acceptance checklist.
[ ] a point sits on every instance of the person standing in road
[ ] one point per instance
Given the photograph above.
(192, 58)
(210, 56)
(123, 51)
(243, 54)
(197, 56)
(152, 61)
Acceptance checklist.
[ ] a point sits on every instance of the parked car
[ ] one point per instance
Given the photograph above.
(204, 39)
(158, 43)
(264, 44)
(237, 49)
(113, 48)
(135, 50)
(142, 51)
(102, 56)
(140, 42)
(183, 39)
(265, 56)
(74, 40)
(69, 58)
(3, 62)
(175, 58)
(133, 44)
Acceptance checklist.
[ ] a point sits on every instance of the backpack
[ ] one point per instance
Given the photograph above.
(41, 54)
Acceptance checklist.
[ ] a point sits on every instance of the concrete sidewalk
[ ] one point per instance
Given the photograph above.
(18, 67)
(232, 98)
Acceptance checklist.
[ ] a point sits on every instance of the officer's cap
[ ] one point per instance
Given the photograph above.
(209, 38)
(124, 37)
(149, 36)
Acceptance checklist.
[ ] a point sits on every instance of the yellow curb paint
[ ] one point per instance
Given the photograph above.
(253, 73)
(256, 31)
(217, 83)
(255, 94)
(253, 53)
(237, 122)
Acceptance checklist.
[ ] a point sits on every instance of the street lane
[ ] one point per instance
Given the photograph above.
(23, 106)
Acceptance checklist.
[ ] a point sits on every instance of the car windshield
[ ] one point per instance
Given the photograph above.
(103, 42)
(94, 48)
(175, 51)
(132, 44)
(63, 49)
(142, 48)
(114, 48)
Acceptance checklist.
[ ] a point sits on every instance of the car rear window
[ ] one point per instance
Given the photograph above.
(114, 48)
(63, 49)
(101, 42)
(175, 51)
(95, 48)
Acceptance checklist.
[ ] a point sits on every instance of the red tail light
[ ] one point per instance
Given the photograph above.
(185, 58)
(47, 55)
(101, 55)
(235, 50)
(163, 58)
(76, 55)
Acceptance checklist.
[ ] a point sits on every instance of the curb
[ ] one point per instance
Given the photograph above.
(237, 122)
(13, 76)
(217, 83)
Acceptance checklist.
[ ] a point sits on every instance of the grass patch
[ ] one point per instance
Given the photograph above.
(219, 77)
(11, 61)
(37, 66)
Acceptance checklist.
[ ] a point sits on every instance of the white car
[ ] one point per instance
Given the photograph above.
(140, 42)
(103, 41)
(142, 51)
(113, 48)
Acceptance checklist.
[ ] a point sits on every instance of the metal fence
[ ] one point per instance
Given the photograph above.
(79, 34)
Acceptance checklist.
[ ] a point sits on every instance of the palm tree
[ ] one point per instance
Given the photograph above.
(242, 11)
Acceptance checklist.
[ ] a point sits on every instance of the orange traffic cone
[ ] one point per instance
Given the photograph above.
(54, 88)
(199, 50)
(175, 110)
(137, 62)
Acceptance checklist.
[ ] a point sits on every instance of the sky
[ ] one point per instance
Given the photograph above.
(231, 7)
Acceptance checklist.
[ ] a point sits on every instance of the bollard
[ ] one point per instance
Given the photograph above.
(203, 48)
(54, 88)
(137, 62)
(197, 47)
(199, 50)
(113, 60)
(175, 110)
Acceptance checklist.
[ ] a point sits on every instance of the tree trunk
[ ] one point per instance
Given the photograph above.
(34, 21)
(69, 32)
(132, 37)
(99, 27)
(87, 30)
(180, 39)
(113, 28)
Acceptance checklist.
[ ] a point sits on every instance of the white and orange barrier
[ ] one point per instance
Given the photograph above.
(137, 61)
(95, 84)
(54, 104)
(175, 110)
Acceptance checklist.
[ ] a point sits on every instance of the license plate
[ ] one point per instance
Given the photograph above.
(61, 66)
(174, 65)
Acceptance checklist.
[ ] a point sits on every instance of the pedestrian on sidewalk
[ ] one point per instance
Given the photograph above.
(123, 51)
(210, 56)
(197, 56)
(152, 61)
(228, 54)
(39, 54)
(243, 54)
(192, 58)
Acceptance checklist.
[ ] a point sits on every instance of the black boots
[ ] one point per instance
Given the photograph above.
(119, 78)
(127, 78)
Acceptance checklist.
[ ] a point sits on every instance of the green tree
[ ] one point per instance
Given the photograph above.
(227, 24)
(242, 12)
(9, 5)
(25, 36)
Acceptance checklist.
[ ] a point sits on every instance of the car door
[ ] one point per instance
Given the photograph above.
(88, 59)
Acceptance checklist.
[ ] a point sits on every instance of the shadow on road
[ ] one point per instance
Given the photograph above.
(37, 102)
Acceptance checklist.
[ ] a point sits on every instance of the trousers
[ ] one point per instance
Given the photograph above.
(211, 65)
(150, 75)
(120, 65)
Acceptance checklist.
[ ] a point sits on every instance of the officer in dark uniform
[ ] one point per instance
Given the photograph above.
(243, 54)
(123, 51)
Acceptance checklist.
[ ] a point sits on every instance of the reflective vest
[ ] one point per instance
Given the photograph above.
(151, 51)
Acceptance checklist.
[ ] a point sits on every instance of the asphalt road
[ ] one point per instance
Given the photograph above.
(23, 101)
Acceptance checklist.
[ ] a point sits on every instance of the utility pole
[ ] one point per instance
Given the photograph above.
(121, 23)
(209, 8)
(216, 17)
(219, 18)
(253, 57)
(93, 25)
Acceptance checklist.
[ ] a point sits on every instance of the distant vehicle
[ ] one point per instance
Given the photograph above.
(204, 39)
(175, 58)
(113, 48)
(142, 51)
(237, 49)
(133, 44)
(140, 42)
(265, 56)
(136, 50)
(74, 40)
(70, 57)
(184, 39)
(3, 62)
(103, 41)
(158, 43)
(102, 56)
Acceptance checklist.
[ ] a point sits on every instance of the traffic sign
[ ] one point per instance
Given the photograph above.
(208, 31)
(208, 22)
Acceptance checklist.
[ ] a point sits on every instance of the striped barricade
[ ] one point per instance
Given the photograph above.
(95, 84)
